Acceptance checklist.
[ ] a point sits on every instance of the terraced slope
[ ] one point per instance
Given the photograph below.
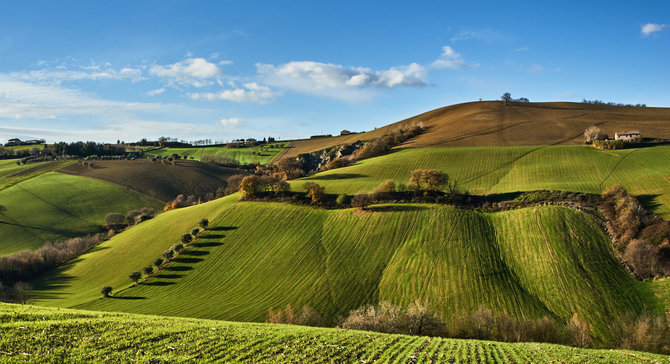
(162, 181)
(55, 206)
(261, 255)
(492, 123)
(644, 172)
(37, 334)
(242, 155)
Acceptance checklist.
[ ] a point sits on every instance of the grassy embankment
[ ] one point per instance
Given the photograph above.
(53, 206)
(37, 334)
(529, 263)
(263, 154)
(644, 172)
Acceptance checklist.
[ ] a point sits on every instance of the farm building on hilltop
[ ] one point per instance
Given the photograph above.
(629, 136)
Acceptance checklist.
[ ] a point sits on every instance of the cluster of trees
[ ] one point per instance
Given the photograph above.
(169, 254)
(608, 144)
(307, 316)
(598, 139)
(642, 239)
(254, 186)
(86, 149)
(116, 222)
(26, 265)
(598, 102)
(507, 97)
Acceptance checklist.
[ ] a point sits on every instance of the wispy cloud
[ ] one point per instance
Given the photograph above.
(26, 100)
(196, 72)
(231, 122)
(63, 73)
(337, 81)
(651, 28)
(482, 35)
(451, 59)
(251, 92)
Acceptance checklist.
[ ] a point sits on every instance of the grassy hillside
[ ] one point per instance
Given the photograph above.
(37, 334)
(643, 172)
(11, 173)
(531, 262)
(162, 181)
(53, 206)
(492, 123)
(242, 155)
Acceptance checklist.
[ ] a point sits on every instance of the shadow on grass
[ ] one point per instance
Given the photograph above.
(187, 260)
(223, 228)
(169, 276)
(158, 284)
(650, 202)
(180, 268)
(335, 176)
(213, 236)
(206, 245)
(127, 298)
(196, 253)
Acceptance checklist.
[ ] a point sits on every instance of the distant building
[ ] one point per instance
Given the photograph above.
(629, 136)
(14, 141)
(345, 132)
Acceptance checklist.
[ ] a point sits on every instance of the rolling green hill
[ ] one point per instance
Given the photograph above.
(531, 262)
(242, 155)
(644, 172)
(37, 334)
(54, 206)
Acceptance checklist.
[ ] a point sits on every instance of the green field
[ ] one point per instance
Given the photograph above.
(53, 206)
(37, 334)
(528, 263)
(242, 155)
(644, 172)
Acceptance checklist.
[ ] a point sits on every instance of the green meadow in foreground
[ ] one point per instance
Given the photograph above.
(531, 262)
(54, 206)
(242, 155)
(643, 172)
(37, 334)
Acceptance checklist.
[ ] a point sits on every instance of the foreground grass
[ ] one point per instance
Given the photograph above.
(528, 263)
(36, 334)
(54, 206)
(263, 154)
(643, 172)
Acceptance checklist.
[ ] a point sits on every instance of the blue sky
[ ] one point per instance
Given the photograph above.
(93, 70)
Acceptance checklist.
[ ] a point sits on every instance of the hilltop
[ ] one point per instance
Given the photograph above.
(492, 123)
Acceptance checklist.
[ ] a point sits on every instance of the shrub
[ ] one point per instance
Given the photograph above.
(306, 317)
(362, 200)
(106, 291)
(115, 221)
(645, 333)
(177, 247)
(204, 223)
(342, 199)
(148, 270)
(16, 293)
(315, 192)
(158, 262)
(385, 317)
(580, 331)
(186, 238)
(195, 232)
(168, 254)
(135, 276)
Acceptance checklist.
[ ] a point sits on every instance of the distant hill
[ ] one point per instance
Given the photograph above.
(492, 123)
(158, 180)
(37, 334)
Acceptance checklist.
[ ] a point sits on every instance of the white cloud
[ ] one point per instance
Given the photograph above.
(252, 92)
(336, 81)
(24, 100)
(157, 91)
(535, 68)
(196, 72)
(651, 28)
(451, 59)
(231, 122)
(93, 72)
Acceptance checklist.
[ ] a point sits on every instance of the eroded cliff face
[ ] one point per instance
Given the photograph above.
(315, 161)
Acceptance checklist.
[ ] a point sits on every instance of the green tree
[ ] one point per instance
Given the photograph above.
(315, 192)
(106, 291)
(158, 262)
(204, 223)
(186, 238)
(135, 276)
(148, 270)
